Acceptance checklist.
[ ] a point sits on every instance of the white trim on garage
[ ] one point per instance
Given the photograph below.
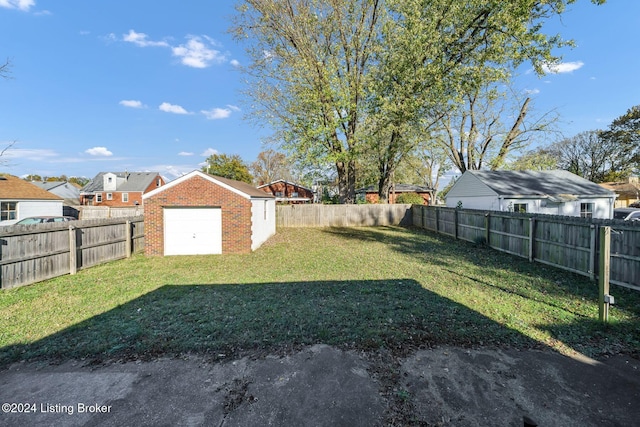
(192, 230)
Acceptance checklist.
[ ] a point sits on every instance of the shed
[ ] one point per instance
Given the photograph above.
(553, 192)
(200, 214)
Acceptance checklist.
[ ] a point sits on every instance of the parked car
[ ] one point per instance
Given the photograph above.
(627, 214)
(43, 219)
(635, 205)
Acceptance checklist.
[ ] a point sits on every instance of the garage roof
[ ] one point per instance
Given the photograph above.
(241, 188)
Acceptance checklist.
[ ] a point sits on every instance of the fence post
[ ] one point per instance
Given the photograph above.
(532, 238)
(73, 251)
(604, 271)
(128, 236)
(592, 252)
(455, 224)
(437, 220)
(487, 228)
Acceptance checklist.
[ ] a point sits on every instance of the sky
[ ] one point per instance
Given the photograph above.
(147, 85)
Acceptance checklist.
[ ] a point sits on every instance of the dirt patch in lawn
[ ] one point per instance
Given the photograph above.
(322, 385)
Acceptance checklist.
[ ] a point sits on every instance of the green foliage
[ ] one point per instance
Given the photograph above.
(624, 134)
(232, 167)
(411, 198)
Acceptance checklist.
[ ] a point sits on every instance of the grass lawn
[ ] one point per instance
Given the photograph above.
(363, 288)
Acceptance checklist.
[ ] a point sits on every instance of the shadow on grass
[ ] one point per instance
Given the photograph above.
(230, 320)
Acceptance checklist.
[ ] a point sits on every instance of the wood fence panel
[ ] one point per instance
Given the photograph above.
(565, 243)
(509, 234)
(317, 215)
(33, 253)
(471, 226)
(568, 243)
(625, 256)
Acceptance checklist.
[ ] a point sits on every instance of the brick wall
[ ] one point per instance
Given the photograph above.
(197, 191)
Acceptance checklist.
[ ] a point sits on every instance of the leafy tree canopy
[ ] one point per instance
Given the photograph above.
(232, 167)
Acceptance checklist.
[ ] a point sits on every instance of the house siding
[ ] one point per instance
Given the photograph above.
(197, 191)
(27, 208)
(263, 221)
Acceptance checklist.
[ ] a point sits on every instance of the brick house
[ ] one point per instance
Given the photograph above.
(288, 192)
(370, 193)
(206, 214)
(119, 189)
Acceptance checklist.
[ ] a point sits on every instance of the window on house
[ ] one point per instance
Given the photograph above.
(125, 197)
(586, 210)
(158, 182)
(520, 207)
(109, 196)
(109, 179)
(278, 193)
(8, 210)
(99, 198)
(294, 194)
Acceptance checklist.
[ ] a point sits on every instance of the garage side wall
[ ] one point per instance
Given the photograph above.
(198, 192)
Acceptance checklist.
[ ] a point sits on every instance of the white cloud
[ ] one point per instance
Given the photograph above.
(532, 91)
(198, 52)
(185, 153)
(131, 103)
(140, 39)
(562, 67)
(209, 152)
(99, 151)
(170, 108)
(235, 62)
(233, 107)
(217, 113)
(29, 154)
(17, 4)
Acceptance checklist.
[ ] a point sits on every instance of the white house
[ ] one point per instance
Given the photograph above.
(554, 192)
(20, 199)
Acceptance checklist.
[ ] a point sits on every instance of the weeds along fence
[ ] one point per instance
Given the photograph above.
(318, 215)
(572, 244)
(32, 253)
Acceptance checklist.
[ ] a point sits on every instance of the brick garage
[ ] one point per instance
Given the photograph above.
(204, 214)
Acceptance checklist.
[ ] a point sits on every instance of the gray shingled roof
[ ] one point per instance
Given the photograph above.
(550, 182)
(136, 181)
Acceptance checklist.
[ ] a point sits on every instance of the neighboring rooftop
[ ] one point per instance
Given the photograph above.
(131, 181)
(550, 182)
(12, 187)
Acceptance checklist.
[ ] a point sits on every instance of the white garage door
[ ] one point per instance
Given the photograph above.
(192, 231)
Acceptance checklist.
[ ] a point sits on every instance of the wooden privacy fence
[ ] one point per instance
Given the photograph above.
(99, 212)
(317, 215)
(572, 244)
(32, 253)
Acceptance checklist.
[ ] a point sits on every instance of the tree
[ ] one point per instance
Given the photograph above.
(538, 159)
(226, 166)
(589, 156)
(5, 69)
(624, 135)
(269, 166)
(320, 68)
(310, 59)
(440, 54)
